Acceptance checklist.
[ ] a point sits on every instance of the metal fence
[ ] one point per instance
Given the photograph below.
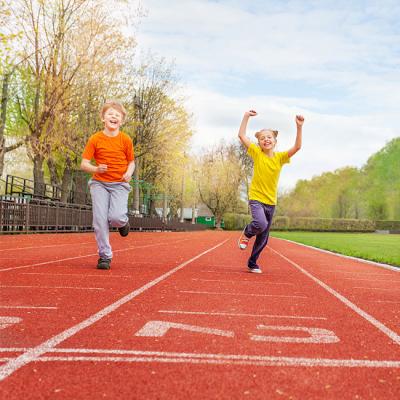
(18, 215)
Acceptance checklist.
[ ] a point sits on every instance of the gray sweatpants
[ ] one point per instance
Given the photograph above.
(110, 207)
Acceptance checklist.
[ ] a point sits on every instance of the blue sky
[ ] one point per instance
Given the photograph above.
(336, 62)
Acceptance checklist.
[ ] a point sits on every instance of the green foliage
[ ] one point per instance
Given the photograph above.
(235, 222)
(323, 224)
(372, 192)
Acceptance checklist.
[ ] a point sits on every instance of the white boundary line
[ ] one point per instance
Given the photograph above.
(135, 356)
(48, 245)
(243, 294)
(386, 266)
(34, 353)
(388, 332)
(84, 256)
(229, 314)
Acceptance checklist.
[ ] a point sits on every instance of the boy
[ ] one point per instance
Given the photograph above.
(113, 153)
(264, 185)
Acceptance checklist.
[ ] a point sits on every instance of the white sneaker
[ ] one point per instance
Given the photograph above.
(255, 270)
(243, 241)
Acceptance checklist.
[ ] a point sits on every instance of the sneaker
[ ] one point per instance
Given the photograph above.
(243, 241)
(104, 263)
(255, 270)
(124, 230)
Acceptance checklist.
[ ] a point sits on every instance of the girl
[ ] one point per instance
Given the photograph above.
(264, 185)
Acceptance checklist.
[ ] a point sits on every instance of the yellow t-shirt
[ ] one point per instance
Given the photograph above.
(264, 185)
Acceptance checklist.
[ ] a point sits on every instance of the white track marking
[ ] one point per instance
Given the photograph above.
(31, 307)
(52, 287)
(79, 275)
(374, 288)
(160, 328)
(34, 353)
(230, 314)
(243, 294)
(386, 301)
(206, 358)
(358, 273)
(84, 256)
(372, 280)
(5, 322)
(386, 266)
(317, 335)
(49, 245)
(242, 281)
(379, 325)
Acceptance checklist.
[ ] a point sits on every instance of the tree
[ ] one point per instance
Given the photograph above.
(219, 181)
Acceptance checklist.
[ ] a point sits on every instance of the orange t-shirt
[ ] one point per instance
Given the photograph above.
(114, 151)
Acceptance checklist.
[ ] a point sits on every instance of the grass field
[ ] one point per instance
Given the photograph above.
(369, 246)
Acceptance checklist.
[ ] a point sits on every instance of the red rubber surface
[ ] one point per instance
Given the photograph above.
(178, 316)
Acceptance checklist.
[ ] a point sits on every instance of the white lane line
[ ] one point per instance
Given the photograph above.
(242, 281)
(30, 307)
(79, 275)
(242, 294)
(372, 280)
(47, 246)
(386, 301)
(379, 325)
(34, 353)
(230, 314)
(357, 273)
(207, 358)
(374, 288)
(381, 265)
(84, 256)
(225, 272)
(52, 287)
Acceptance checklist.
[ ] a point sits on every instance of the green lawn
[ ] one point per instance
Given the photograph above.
(369, 246)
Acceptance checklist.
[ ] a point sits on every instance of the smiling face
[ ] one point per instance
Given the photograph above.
(266, 140)
(112, 119)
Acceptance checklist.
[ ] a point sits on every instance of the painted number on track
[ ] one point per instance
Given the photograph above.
(314, 335)
(5, 322)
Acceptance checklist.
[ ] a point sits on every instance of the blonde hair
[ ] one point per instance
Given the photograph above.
(274, 132)
(113, 104)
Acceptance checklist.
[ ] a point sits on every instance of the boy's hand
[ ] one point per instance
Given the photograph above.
(299, 120)
(101, 168)
(127, 177)
(250, 113)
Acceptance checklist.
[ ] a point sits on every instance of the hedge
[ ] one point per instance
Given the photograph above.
(239, 221)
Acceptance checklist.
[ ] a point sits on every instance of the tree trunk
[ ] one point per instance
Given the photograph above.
(136, 189)
(66, 184)
(165, 207)
(38, 176)
(3, 115)
(193, 213)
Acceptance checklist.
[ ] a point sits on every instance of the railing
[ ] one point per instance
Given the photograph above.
(19, 215)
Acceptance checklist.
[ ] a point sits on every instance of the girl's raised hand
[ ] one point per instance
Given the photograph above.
(250, 113)
(299, 120)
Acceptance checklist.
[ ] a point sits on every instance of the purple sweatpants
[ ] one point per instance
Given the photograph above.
(260, 225)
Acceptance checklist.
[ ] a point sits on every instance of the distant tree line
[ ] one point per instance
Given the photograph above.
(371, 192)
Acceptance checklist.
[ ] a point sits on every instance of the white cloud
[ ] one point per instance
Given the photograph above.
(335, 62)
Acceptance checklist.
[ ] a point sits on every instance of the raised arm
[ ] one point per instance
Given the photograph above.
(297, 145)
(242, 130)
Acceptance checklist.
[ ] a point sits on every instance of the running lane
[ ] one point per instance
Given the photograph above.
(178, 315)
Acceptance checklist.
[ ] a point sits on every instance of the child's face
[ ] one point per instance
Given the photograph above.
(112, 119)
(266, 140)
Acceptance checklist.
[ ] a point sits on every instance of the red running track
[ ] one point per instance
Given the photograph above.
(178, 317)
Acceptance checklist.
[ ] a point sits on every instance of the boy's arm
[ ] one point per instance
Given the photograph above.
(127, 176)
(242, 130)
(87, 166)
(297, 145)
